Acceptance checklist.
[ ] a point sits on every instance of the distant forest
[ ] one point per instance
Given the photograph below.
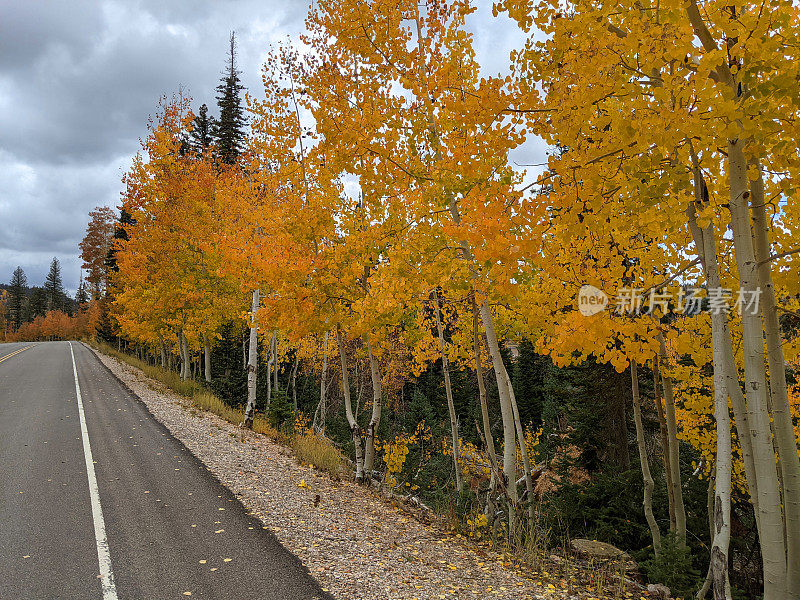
(22, 304)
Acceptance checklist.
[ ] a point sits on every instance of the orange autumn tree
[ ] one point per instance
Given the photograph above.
(95, 247)
(167, 289)
(443, 149)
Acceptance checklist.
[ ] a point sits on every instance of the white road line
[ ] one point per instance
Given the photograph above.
(103, 554)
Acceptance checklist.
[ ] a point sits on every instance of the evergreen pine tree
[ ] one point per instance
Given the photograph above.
(17, 292)
(530, 376)
(54, 287)
(81, 296)
(119, 235)
(203, 127)
(36, 306)
(229, 129)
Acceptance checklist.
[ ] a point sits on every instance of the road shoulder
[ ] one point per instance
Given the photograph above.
(355, 544)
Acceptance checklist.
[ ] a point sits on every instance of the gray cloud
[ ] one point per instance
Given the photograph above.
(79, 79)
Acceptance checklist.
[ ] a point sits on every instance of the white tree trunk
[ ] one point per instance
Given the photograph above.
(674, 453)
(184, 348)
(270, 362)
(647, 501)
(781, 416)
(375, 419)
(252, 364)
(487, 425)
(662, 426)
(275, 360)
(506, 410)
(163, 351)
(320, 415)
(207, 358)
(355, 430)
(294, 380)
(451, 409)
(720, 514)
(773, 548)
(523, 447)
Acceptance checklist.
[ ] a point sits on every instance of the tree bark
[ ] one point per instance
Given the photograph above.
(710, 495)
(721, 509)
(375, 419)
(270, 361)
(523, 447)
(449, 393)
(163, 351)
(509, 426)
(355, 430)
(769, 505)
(783, 427)
(647, 502)
(207, 358)
(674, 452)
(662, 426)
(294, 381)
(770, 520)
(275, 360)
(184, 347)
(252, 364)
(487, 425)
(320, 413)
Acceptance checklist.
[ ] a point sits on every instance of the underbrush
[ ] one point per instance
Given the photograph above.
(318, 451)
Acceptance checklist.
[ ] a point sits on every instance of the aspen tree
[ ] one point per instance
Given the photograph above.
(647, 502)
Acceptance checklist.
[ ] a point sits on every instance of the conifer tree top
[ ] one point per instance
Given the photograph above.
(229, 129)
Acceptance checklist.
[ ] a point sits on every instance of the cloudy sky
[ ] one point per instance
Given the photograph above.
(79, 78)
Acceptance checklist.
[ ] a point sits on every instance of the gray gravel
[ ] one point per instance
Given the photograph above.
(357, 545)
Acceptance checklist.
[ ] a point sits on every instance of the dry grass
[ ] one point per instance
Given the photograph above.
(194, 391)
(318, 451)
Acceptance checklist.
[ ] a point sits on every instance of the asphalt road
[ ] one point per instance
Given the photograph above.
(170, 528)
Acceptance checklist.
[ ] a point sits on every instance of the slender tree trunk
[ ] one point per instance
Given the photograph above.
(647, 502)
(163, 352)
(721, 513)
(275, 360)
(323, 387)
(375, 419)
(773, 548)
(449, 393)
(710, 495)
(207, 357)
(487, 425)
(355, 430)
(270, 361)
(771, 518)
(252, 366)
(781, 415)
(662, 426)
(507, 412)
(674, 456)
(184, 374)
(294, 381)
(523, 448)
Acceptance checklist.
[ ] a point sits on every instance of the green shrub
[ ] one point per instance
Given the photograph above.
(673, 567)
(280, 413)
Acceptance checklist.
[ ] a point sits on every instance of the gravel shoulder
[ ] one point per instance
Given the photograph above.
(357, 545)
